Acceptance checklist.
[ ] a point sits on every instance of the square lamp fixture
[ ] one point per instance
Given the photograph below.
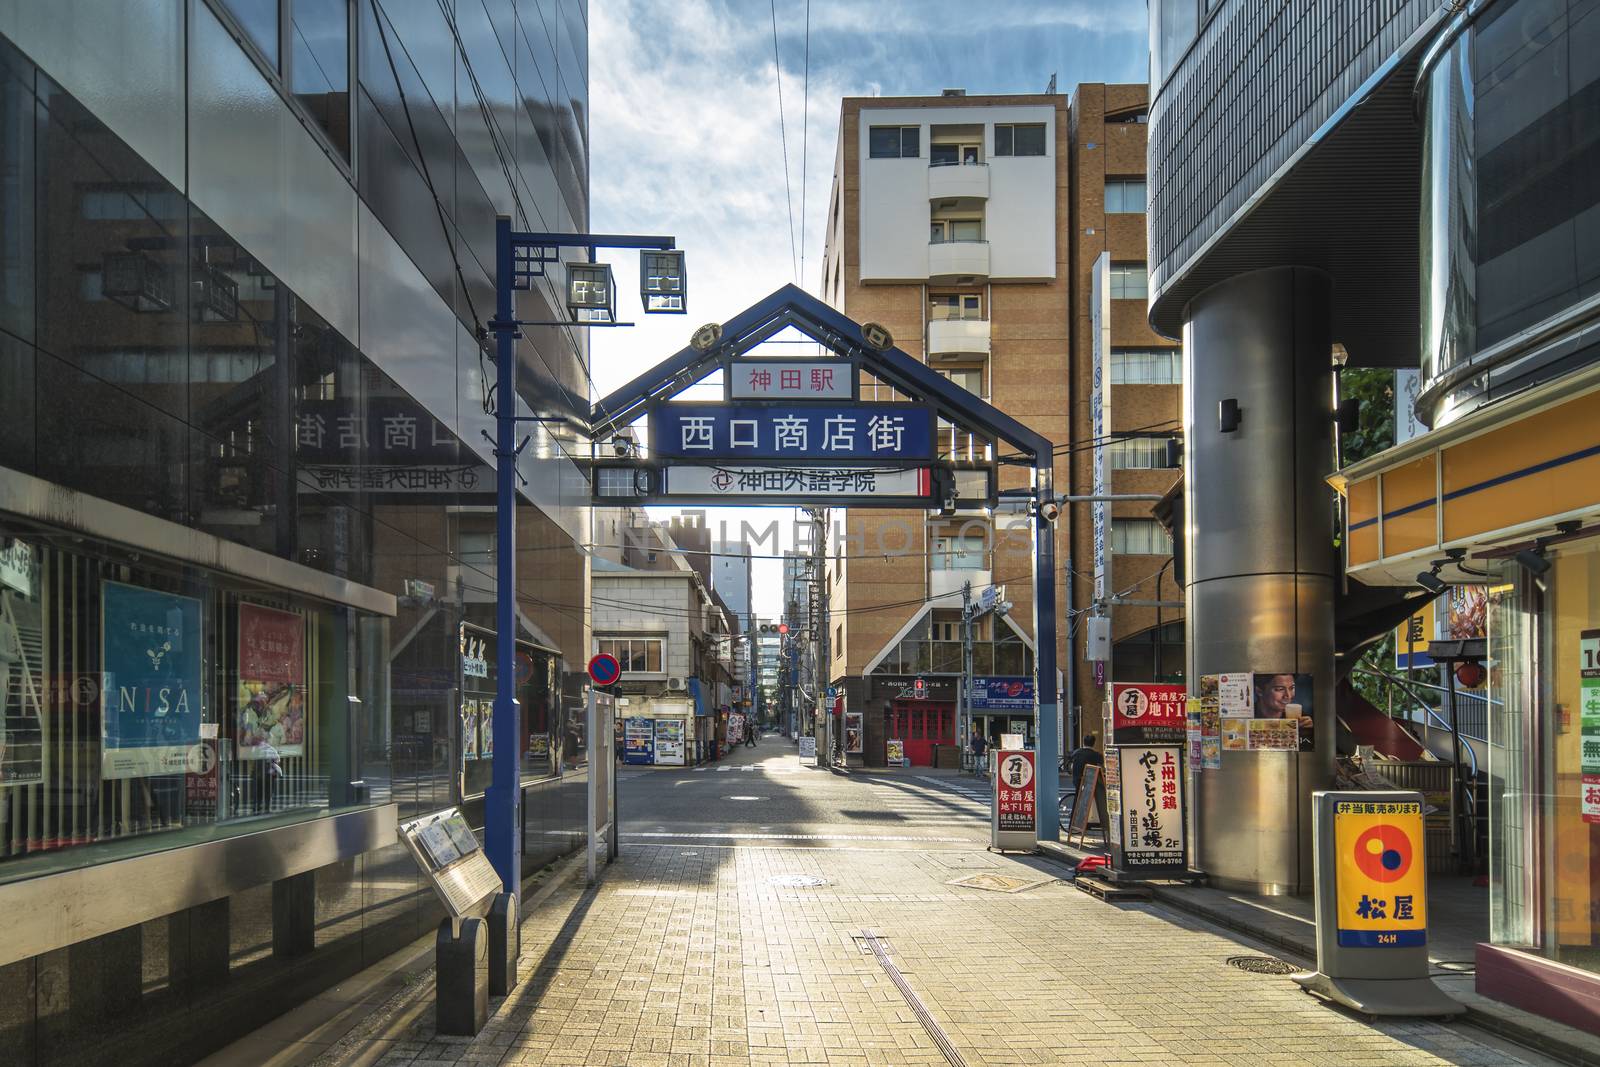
(136, 281)
(591, 294)
(663, 282)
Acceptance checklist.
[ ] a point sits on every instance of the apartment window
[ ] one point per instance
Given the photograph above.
(1139, 537)
(950, 155)
(894, 142)
(1146, 366)
(1019, 139)
(941, 231)
(1125, 197)
(969, 378)
(838, 640)
(946, 626)
(958, 306)
(960, 553)
(1139, 453)
(1129, 281)
(634, 653)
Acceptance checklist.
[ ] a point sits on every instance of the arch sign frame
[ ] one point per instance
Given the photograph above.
(796, 432)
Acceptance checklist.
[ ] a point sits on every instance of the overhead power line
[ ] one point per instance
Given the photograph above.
(783, 137)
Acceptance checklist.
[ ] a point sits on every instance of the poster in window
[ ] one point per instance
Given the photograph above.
(150, 649)
(272, 683)
(469, 730)
(852, 732)
(485, 729)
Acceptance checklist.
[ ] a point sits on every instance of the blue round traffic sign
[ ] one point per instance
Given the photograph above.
(604, 669)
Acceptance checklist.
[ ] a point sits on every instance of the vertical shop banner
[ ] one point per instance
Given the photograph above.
(1381, 891)
(1151, 807)
(272, 683)
(852, 732)
(1147, 713)
(1111, 816)
(1589, 725)
(1015, 788)
(150, 699)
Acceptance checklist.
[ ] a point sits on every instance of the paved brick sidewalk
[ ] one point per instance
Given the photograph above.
(692, 955)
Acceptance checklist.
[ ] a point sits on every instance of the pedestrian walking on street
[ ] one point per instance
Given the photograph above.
(980, 750)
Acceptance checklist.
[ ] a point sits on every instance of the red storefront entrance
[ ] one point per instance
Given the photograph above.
(921, 724)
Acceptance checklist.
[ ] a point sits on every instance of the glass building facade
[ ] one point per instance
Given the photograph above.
(246, 508)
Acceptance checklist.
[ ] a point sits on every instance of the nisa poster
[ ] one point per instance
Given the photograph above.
(150, 697)
(272, 683)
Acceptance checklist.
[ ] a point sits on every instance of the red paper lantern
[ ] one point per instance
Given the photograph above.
(1471, 675)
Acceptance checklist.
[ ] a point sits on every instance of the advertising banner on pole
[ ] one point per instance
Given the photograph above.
(1147, 713)
(150, 699)
(272, 683)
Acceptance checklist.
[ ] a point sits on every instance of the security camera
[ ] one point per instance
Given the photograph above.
(1049, 510)
(621, 445)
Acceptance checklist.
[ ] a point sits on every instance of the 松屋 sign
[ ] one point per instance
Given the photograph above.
(831, 432)
(787, 379)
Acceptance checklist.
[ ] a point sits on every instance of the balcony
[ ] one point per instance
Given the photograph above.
(961, 262)
(958, 181)
(958, 337)
(949, 582)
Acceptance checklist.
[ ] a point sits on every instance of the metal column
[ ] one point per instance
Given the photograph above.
(1261, 566)
(1044, 629)
(500, 802)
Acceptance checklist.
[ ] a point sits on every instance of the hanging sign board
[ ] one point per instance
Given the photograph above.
(790, 379)
(684, 480)
(828, 432)
(1149, 810)
(1147, 713)
(1014, 825)
(1002, 694)
(445, 849)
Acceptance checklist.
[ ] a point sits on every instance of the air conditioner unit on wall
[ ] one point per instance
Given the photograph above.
(677, 684)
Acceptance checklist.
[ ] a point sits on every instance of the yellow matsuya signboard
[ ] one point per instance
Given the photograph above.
(1380, 875)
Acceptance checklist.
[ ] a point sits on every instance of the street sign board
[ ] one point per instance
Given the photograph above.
(790, 379)
(808, 750)
(1148, 713)
(1002, 694)
(830, 432)
(684, 480)
(1014, 823)
(604, 669)
(448, 853)
(1148, 810)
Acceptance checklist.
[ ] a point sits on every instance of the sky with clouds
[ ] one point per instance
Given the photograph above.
(685, 133)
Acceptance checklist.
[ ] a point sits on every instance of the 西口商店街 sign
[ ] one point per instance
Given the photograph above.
(832, 432)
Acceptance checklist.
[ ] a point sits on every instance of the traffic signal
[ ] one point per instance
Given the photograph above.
(783, 627)
(919, 689)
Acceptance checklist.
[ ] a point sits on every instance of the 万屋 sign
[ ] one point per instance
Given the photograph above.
(1002, 694)
(1147, 713)
(790, 379)
(682, 480)
(1380, 878)
(1015, 791)
(1149, 812)
(832, 432)
(150, 649)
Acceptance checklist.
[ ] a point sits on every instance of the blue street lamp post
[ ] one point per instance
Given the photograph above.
(519, 258)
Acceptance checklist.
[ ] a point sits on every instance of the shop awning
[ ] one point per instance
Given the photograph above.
(698, 694)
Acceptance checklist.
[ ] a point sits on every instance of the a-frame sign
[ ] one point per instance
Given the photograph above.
(793, 431)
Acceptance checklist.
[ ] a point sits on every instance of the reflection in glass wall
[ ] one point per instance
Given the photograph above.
(1511, 227)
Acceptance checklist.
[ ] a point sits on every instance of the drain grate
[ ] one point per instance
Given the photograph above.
(1262, 965)
(879, 947)
(796, 881)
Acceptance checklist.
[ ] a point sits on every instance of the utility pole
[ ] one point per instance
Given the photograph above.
(819, 628)
(964, 715)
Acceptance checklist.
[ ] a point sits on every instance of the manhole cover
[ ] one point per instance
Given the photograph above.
(1262, 964)
(999, 883)
(796, 881)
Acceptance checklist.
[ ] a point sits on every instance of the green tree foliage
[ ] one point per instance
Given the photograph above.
(1374, 388)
